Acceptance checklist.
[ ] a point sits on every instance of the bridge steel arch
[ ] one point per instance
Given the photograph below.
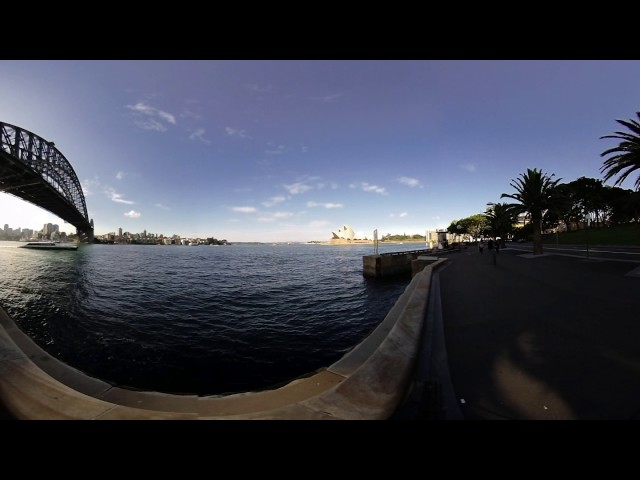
(33, 169)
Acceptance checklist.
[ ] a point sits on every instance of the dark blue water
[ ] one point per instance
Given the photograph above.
(205, 320)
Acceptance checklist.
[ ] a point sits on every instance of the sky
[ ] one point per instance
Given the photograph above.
(289, 150)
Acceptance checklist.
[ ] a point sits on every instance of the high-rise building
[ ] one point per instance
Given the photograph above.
(120, 232)
(6, 227)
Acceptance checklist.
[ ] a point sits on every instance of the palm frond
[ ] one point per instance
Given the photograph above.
(625, 157)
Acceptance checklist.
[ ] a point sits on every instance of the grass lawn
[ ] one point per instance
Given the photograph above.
(618, 235)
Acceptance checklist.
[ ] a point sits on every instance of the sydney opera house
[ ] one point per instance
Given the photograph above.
(346, 235)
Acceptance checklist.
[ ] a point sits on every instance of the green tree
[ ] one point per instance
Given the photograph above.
(457, 228)
(625, 156)
(535, 192)
(500, 219)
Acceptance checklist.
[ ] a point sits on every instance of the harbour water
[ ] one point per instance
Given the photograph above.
(205, 319)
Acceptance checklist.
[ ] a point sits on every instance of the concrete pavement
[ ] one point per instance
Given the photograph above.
(545, 337)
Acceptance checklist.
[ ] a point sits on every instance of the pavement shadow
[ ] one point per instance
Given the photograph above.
(542, 338)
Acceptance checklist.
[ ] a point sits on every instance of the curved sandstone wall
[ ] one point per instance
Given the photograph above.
(367, 383)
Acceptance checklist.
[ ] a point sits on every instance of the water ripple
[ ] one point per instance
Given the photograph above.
(201, 320)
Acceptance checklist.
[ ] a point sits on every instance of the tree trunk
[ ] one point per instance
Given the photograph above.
(537, 233)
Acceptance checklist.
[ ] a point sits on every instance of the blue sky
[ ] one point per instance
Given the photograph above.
(292, 150)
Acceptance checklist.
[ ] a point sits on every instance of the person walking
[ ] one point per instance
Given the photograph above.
(490, 245)
(481, 246)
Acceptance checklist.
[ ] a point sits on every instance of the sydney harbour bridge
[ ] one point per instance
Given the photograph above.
(33, 169)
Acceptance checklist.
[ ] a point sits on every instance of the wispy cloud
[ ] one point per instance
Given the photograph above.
(327, 98)
(272, 217)
(256, 88)
(469, 167)
(151, 118)
(367, 187)
(120, 175)
(304, 148)
(190, 114)
(164, 207)
(274, 201)
(117, 197)
(244, 209)
(325, 205)
(132, 214)
(318, 223)
(298, 187)
(411, 182)
(242, 189)
(403, 214)
(89, 185)
(274, 149)
(198, 134)
(236, 132)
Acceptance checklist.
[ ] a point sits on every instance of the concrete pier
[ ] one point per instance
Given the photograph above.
(391, 264)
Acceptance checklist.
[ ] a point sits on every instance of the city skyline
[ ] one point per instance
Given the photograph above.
(291, 150)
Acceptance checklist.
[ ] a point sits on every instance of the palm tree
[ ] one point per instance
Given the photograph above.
(627, 153)
(535, 192)
(501, 217)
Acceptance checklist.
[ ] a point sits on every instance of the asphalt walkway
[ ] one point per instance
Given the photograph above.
(545, 337)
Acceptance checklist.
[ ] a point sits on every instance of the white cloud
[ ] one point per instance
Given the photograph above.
(275, 150)
(117, 197)
(199, 135)
(274, 201)
(234, 132)
(254, 87)
(88, 186)
(470, 167)
(304, 148)
(167, 117)
(244, 209)
(272, 217)
(403, 214)
(190, 114)
(132, 214)
(411, 182)
(327, 98)
(151, 118)
(318, 223)
(151, 124)
(164, 207)
(296, 188)
(369, 188)
(325, 205)
(120, 175)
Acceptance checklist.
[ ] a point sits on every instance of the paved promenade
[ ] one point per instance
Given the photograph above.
(545, 337)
